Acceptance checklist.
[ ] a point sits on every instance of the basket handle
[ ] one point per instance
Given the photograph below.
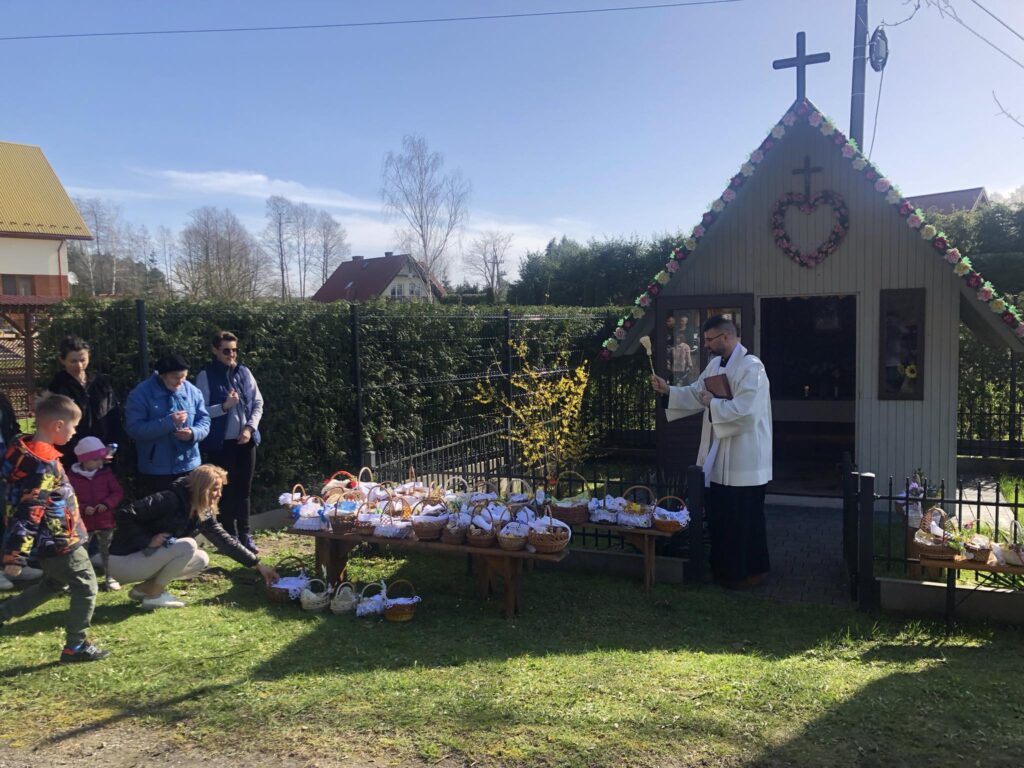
(322, 583)
(290, 562)
(344, 584)
(451, 480)
(650, 494)
(391, 507)
(378, 584)
(572, 473)
(300, 489)
(393, 584)
(523, 483)
(682, 504)
(489, 486)
(367, 470)
(349, 475)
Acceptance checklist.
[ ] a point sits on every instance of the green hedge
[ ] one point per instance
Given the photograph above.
(301, 355)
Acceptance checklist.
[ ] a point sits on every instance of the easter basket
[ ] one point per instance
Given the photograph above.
(480, 536)
(400, 608)
(454, 531)
(342, 515)
(571, 509)
(637, 514)
(1013, 551)
(315, 596)
(519, 494)
(344, 599)
(549, 536)
(372, 605)
(667, 521)
(293, 498)
(310, 515)
(341, 485)
(367, 517)
(395, 520)
(290, 586)
(429, 519)
(513, 536)
(932, 545)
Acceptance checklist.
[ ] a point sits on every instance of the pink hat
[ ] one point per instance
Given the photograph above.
(90, 449)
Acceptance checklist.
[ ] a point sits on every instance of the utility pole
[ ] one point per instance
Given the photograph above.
(860, 44)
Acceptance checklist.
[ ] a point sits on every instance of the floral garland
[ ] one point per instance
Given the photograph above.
(805, 111)
(839, 212)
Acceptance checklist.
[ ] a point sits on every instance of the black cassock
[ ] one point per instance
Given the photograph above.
(739, 538)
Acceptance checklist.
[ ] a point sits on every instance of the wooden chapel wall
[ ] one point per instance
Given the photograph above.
(880, 251)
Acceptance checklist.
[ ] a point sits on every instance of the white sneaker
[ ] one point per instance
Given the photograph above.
(28, 574)
(163, 600)
(136, 594)
(5, 583)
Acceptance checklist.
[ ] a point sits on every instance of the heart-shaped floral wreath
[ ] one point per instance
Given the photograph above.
(840, 214)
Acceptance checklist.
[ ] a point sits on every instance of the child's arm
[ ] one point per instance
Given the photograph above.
(27, 514)
(115, 493)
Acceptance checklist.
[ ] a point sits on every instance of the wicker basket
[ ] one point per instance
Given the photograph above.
(477, 537)
(315, 598)
(512, 542)
(550, 541)
(428, 530)
(335, 488)
(576, 514)
(641, 518)
(449, 488)
(365, 602)
(453, 535)
(301, 491)
(511, 490)
(926, 544)
(1013, 550)
(363, 526)
(277, 595)
(345, 598)
(400, 611)
(667, 526)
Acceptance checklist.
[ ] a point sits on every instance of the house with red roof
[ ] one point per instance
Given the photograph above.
(393, 277)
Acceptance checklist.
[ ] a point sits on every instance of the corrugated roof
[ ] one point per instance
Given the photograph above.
(947, 202)
(33, 202)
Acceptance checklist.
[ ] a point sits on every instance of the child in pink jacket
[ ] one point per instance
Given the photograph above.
(98, 494)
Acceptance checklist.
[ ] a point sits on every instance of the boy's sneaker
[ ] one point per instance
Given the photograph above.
(136, 594)
(5, 583)
(28, 573)
(163, 600)
(111, 585)
(247, 542)
(86, 652)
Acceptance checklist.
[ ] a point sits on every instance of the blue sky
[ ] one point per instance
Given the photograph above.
(587, 125)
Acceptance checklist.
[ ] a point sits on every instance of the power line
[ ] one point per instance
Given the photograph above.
(353, 24)
(986, 10)
(945, 9)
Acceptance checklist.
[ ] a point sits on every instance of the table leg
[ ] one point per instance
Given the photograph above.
(649, 562)
(512, 570)
(332, 558)
(483, 576)
(950, 600)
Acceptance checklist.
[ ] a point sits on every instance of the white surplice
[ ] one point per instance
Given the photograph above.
(739, 430)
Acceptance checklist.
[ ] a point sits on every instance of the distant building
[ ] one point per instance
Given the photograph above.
(394, 276)
(947, 202)
(37, 219)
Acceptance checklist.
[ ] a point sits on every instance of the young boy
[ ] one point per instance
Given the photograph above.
(44, 517)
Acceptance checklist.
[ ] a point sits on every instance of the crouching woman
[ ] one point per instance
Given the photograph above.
(153, 543)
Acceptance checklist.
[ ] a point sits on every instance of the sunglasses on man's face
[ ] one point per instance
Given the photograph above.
(229, 350)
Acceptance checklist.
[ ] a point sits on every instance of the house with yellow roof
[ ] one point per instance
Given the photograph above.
(37, 219)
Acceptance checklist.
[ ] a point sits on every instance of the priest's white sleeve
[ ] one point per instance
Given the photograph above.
(733, 417)
(685, 401)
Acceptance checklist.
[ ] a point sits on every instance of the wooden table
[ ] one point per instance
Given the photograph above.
(332, 551)
(643, 539)
(960, 563)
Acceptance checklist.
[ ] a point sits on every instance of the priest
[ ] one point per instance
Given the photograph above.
(735, 451)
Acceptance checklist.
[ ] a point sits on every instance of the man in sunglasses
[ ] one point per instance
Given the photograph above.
(735, 451)
(236, 406)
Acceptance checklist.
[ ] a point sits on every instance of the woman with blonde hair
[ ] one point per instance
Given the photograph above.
(154, 545)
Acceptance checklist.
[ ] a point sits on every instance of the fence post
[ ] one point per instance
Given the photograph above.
(867, 596)
(1014, 436)
(143, 331)
(507, 371)
(357, 385)
(695, 503)
(849, 484)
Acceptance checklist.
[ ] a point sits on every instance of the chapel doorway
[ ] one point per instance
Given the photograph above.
(809, 350)
(679, 357)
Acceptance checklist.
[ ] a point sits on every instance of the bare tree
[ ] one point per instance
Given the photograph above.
(302, 226)
(431, 203)
(96, 257)
(330, 244)
(165, 246)
(486, 258)
(217, 257)
(277, 238)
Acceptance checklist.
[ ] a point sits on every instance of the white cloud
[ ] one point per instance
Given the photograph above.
(113, 193)
(258, 185)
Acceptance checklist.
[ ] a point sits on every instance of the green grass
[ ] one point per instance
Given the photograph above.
(1010, 484)
(596, 673)
(27, 426)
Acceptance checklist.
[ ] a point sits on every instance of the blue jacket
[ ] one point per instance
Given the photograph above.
(149, 423)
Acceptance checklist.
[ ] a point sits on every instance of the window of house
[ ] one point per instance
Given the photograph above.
(415, 289)
(17, 285)
(397, 290)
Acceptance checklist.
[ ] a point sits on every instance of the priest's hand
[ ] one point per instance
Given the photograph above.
(706, 398)
(659, 384)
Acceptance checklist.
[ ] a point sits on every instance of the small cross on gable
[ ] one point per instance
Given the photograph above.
(806, 172)
(801, 62)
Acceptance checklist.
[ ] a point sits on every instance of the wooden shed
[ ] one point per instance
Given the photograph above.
(844, 290)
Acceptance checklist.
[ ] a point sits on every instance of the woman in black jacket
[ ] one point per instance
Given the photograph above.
(153, 541)
(94, 395)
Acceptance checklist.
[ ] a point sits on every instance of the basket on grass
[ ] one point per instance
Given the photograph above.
(478, 535)
(345, 598)
(637, 514)
(293, 580)
(315, 596)
(429, 519)
(571, 509)
(669, 521)
(400, 608)
(549, 536)
(930, 542)
(372, 605)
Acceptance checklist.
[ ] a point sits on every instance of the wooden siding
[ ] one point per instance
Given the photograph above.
(738, 255)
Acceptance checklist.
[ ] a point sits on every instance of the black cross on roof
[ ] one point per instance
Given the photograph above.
(801, 61)
(806, 172)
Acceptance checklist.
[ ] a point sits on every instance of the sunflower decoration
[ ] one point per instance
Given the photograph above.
(910, 371)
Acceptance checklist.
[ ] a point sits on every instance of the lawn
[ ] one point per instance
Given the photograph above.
(596, 673)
